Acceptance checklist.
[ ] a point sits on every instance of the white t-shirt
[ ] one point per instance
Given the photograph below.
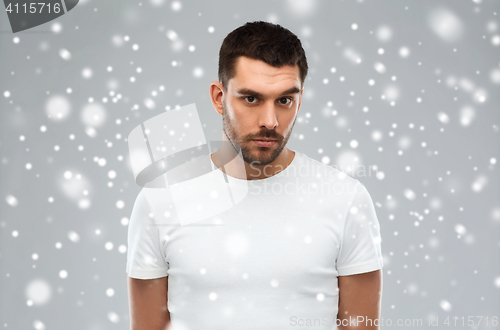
(269, 262)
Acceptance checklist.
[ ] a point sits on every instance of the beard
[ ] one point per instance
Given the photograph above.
(251, 153)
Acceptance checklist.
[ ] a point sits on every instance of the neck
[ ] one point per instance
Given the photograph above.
(228, 161)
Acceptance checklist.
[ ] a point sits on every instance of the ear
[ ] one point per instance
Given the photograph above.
(216, 94)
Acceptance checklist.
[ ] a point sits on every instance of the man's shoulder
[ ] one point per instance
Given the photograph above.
(155, 195)
(325, 173)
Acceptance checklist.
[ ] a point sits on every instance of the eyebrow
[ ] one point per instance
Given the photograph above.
(246, 91)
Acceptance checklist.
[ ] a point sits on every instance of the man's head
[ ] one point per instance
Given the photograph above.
(262, 68)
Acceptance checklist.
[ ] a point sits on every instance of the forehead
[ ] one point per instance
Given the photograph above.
(260, 76)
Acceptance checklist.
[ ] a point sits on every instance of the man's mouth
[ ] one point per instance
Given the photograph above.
(264, 142)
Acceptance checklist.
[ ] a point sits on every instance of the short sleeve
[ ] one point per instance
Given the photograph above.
(145, 259)
(360, 248)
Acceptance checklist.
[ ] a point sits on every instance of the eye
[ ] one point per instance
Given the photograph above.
(286, 98)
(246, 97)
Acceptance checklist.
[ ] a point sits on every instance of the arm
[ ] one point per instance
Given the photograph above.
(359, 299)
(148, 304)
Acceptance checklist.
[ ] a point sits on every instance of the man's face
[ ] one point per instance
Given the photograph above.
(261, 102)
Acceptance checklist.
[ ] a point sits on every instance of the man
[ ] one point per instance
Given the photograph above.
(301, 250)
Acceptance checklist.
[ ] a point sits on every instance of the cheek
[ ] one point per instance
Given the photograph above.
(288, 123)
(239, 121)
(232, 114)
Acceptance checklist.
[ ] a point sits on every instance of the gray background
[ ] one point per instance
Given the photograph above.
(437, 200)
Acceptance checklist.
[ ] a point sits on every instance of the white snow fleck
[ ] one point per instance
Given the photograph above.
(404, 52)
(38, 291)
(65, 54)
(120, 204)
(410, 194)
(157, 3)
(479, 183)
(384, 33)
(443, 117)
(391, 93)
(117, 40)
(445, 24)
(58, 107)
(110, 292)
(149, 103)
(404, 142)
(445, 305)
(56, 27)
(93, 115)
(301, 8)
(480, 95)
(38, 325)
(495, 76)
(176, 5)
(379, 67)
(172, 35)
(113, 317)
(460, 229)
(376, 135)
(11, 200)
(495, 40)
(198, 72)
(467, 115)
(352, 55)
(73, 236)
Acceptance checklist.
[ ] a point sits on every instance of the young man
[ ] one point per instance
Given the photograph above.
(303, 247)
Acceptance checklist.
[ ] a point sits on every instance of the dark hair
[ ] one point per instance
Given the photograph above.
(264, 41)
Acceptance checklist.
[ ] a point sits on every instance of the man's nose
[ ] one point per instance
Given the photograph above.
(267, 116)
